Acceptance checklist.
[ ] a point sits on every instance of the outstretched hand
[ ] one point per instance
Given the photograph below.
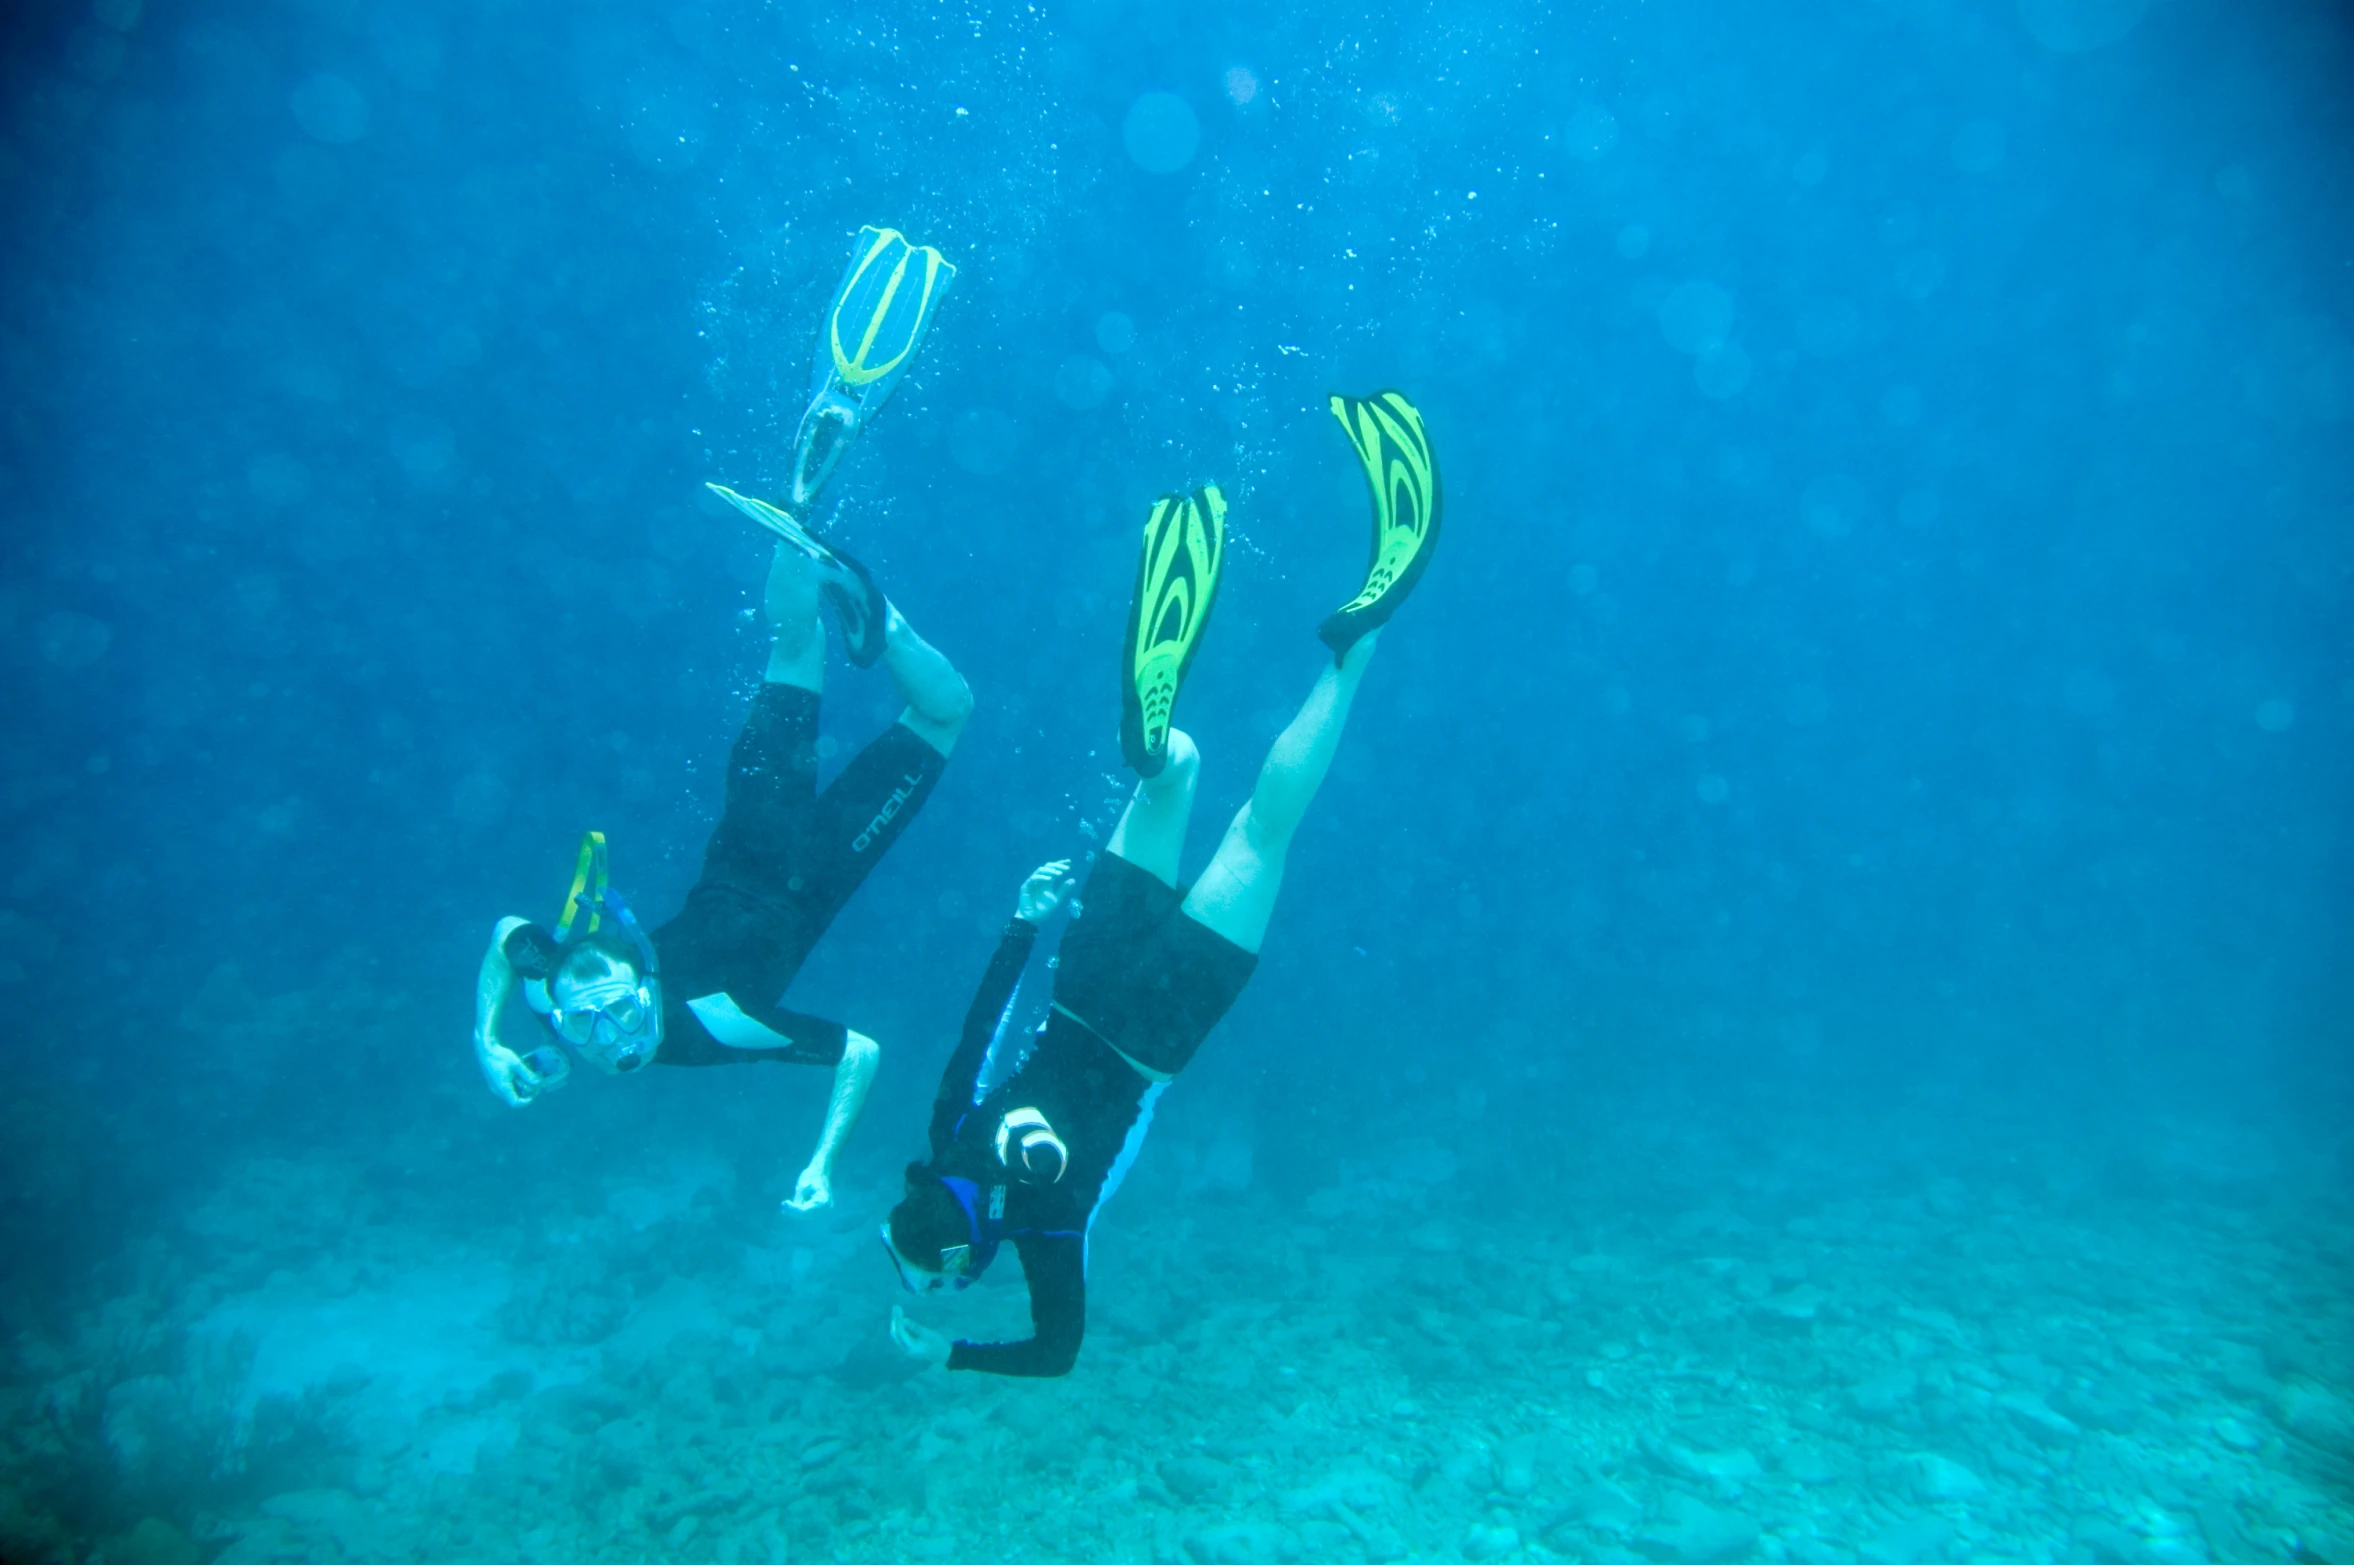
(813, 1191)
(918, 1342)
(514, 1081)
(1044, 891)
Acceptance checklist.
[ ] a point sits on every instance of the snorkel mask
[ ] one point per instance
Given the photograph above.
(959, 1264)
(612, 1023)
(615, 1022)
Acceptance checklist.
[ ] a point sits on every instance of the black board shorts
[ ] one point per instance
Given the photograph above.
(783, 860)
(1143, 974)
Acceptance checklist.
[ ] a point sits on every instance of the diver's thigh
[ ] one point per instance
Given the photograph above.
(1236, 895)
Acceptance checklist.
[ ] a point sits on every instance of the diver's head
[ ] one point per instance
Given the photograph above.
(603, 1005)
(931, 1235)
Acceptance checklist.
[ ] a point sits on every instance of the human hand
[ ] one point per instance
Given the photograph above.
(515, 1082)
(918, 1342)
(813, 1191)
(1044, 891)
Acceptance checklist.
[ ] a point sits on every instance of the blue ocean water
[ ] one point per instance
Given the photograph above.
(1809, 1020)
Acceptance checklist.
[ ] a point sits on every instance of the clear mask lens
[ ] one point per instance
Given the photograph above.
(602, 1014)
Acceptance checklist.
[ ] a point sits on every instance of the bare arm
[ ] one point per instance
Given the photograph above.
(852, 1078)
(494, 984)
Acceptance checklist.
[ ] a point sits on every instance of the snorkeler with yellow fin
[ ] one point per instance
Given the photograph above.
(1149, 965)
(707, 987)
(880, 311)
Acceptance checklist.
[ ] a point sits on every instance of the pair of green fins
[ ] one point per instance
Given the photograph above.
(880, 311)
(1185, 551)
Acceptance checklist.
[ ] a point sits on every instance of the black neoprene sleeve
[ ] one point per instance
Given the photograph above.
(980, 1025)
(1055, 1266)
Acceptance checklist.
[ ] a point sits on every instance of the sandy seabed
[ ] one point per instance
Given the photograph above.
(662, 1371)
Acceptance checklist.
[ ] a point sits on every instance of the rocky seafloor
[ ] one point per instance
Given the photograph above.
(660, 1368)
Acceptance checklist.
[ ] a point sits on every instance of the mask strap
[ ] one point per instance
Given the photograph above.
(968, 1196)
(984, 1243)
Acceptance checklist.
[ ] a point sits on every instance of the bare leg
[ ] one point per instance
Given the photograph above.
(1151, 832)
(799, 656)
(938, 700)
(1236, 894)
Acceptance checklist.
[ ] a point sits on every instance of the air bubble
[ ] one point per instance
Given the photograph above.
(1829, 327)
(1082, 382)
(2075, 26)
(69, 641)
(277, 479)
(1832, 504)
(1592, 131)
(330, 109)
(480, 799)
(1161, 132)
(1114, 332)
(2089, 693)
(981, 441)
(1979, 147)
(1722, 372)
(1696, 318)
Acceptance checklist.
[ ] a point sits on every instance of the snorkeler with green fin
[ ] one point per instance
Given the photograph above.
(1149, 965)
(786, 856)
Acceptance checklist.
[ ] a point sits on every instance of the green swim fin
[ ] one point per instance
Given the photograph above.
(1176, 585)
(859, 604)
(1387, 431)
(880, 311)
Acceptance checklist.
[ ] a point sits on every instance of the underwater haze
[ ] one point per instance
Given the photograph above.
(1809, 1022)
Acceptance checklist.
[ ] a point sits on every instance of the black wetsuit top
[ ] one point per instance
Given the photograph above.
(1091, 1096)
(1137, 968)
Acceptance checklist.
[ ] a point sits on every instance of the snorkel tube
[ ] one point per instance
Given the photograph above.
(587, 904)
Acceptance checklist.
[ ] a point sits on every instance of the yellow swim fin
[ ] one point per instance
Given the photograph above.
(775, 521)
(849, 586)
(1176, 586)
(880, 312)
(1387, 431)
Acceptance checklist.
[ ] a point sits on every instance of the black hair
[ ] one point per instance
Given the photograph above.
(927, 1220)
(532, 952)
